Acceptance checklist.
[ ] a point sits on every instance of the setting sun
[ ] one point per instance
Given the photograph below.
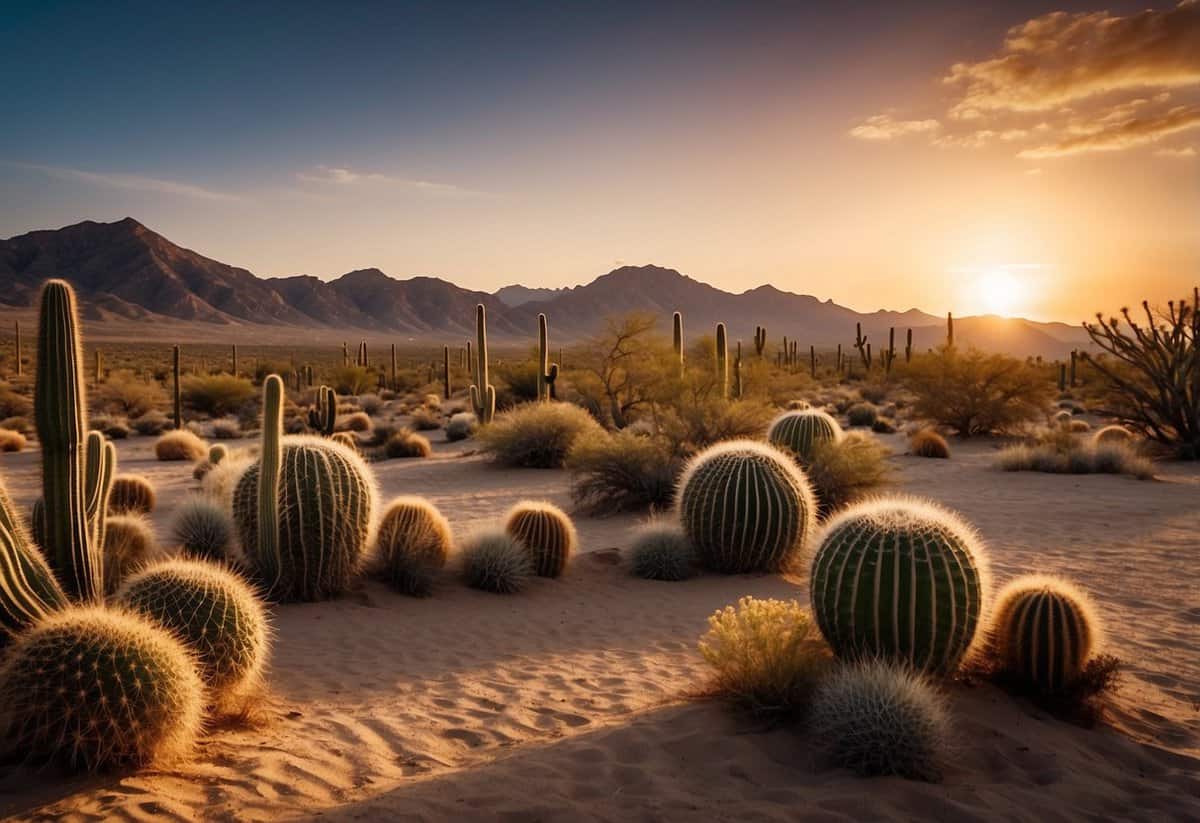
(999, 291)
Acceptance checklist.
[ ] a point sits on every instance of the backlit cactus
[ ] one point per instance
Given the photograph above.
(722, 361)
(412, 544)
(900, 579)
(546, 533)
(746, 507)
(547, 372)
(677, 337)
(800, 431)
(305, 527)
(217, 453)
(131, 493)
(213, 611)
(126, 691)
(129, 542)
(760, 339)
(483, 393)
(323, 415)
(28, 589)
(1044, 631)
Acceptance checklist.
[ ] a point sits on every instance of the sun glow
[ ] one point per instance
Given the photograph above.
(998, 290)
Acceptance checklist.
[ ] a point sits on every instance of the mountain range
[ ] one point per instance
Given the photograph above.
(133, 282)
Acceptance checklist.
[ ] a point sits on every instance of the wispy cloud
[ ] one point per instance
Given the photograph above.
(1185, 152)
(131, 182)
(886, 127)
(1124, 134)
(341, 176)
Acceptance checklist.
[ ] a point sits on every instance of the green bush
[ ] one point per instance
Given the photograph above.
(126, 394)
(975, 393)
(842, 471)
(537, 435)
(622, 472)
(216, 394)
(862, 414)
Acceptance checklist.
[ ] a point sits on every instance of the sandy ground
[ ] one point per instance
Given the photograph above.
(569, 701)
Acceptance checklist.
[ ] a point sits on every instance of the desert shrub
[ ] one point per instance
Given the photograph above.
(1075, 457)
(975, 393)
(11, 441)
(355, 380)
(412, 544)
(537, 435)
(862, 414)
(180, 445)
(425, 420)
(518, 383)
(216, 394)
(117, 429)
(432, 401)
(17, 424)
(406, 443)
(878, 719)
(928, 443)
(461, 426)
(883, 425)
(13, 404)
(495, 562)
(131, 494)
(151, 423)
(370, 403)
(691, 426)
(661, 551)
(129, 543)
(874, 393)
(355, 422)
(1062, 418)
(842, 471)
(622, 472)
(227, 428)
(203, 528)
(127, 394)
(767, 655)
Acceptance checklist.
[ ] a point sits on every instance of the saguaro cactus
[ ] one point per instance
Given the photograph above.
(722, 361)
(908, 347)
(446, 372)
(949, 330)
(483, 393)
(270, 465)
(677, 338)
(760, 339)
(394, 384)
(323, 414)
(234, 360)
(176, 390)
(860, 343)
(891, 351)
(17, 346)
(547, 372)
(59, 411)
(812, 361)
(737, 372)
(99, 367)
(28, 590)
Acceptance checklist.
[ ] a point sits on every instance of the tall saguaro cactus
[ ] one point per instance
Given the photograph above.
(446, 372)
(59, 410)
(270, 467)
(760, 339)
(395, 383)
(234, 360)
(949, 330)
(17, 346)
(177, 392)
(737, 373)
(483, 393)
(677, 337)
(547, 372)
(722, 361)
(323, 415)
(860, 343)
(908, 347)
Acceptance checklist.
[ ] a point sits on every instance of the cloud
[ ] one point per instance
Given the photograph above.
(885, 127)
(341, 176)
(1060, 58)
(131, 182)
(1186, 151)
(1123, 134)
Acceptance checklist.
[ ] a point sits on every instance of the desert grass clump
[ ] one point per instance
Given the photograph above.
(180, 445)
(216, 615)
(129, 543)
(767, 655)
(622, 472)
(877, 719)
(203, 528)
(461, 426)
(928, 443)
(372, 404)
(1068, 455)
(425, 420)
(661, 551)
(124, 691)
(972, 393)
(151, 424)
(412, 545)
(216, 394)
(406, 443)
(801, 431)
(547, 534)
(355, 422)
(1113, 434)
(226, 428)
(11, 441)
(862, 414)
(900, 579)
(125, 393)
(537, 435)
(842, 471)
(494, 562)
(131, 494)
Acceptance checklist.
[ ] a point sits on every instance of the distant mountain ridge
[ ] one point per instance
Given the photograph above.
(125, 271)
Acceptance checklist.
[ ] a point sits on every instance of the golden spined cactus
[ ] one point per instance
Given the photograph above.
(131, 494)
(412, 544)
(799, 431)
(547, 534)
(1044, 630)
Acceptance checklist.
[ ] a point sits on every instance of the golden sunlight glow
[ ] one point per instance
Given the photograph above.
(999, 291)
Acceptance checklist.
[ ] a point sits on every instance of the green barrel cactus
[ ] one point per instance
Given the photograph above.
(412, 544)
(800, 431)
(546, 533)
(746, 507)
(213, 611)
(902, 580)
(28, 588)
(305, 527)
(126, 692)
(1044, 631)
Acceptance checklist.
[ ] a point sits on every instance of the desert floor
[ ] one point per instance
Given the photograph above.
(571, 701)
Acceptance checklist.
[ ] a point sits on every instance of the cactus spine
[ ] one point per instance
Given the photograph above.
(760, 339)
(547, 372)
(59, 410)
(722, 362)
(677, 338)
(323, 415)
(483, 393)
(546, 533)
(1044, 631)
(799, 432)
(28, 590)
(899, 579)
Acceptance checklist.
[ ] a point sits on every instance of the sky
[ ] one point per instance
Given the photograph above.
(1034, 159)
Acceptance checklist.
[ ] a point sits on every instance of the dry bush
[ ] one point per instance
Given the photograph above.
(355, 422)
(17, 424)
(928, 443)
(227, 428)
(13, 404)
(216, 394)
(843, 471)
(862, 414)
(691, 426)
(1057, 451)
(461, 426)
(11, 441)
(180, 445)
(425, 420)
(537, 435)
(622, 472)
(975, 393)
(406, 443)
(151, 423)
(370, 403)
(351, 380)
(127, 394)
(494, 562)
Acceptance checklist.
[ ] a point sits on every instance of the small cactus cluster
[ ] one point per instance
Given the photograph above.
(412, 544)
(322, 417)
(902, 580)
(746, 507)
(799, 432)
(483, 393)
(546, 533)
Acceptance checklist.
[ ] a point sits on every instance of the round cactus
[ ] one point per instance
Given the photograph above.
(800, 431)
(661, 551)
(325, 500)
(413, 542)
(129, 543)
(131, 494)
(546, 533)
(1112, 434)
(95, 688)
(345, 439)
(216, 453)
(1044, 631)
(203, 529)
(746, 507)
(213, 612)
(900, 579)
(494, 562)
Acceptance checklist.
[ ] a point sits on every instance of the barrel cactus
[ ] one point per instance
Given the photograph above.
(746, 508)
(800, 431)
(303, 512)
(900, 579)
(413, 543)
(547, 534)
(131, 494)
(203, 529)
(1044, 631)
(213, 611)
(126, 691)
(28, 589)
